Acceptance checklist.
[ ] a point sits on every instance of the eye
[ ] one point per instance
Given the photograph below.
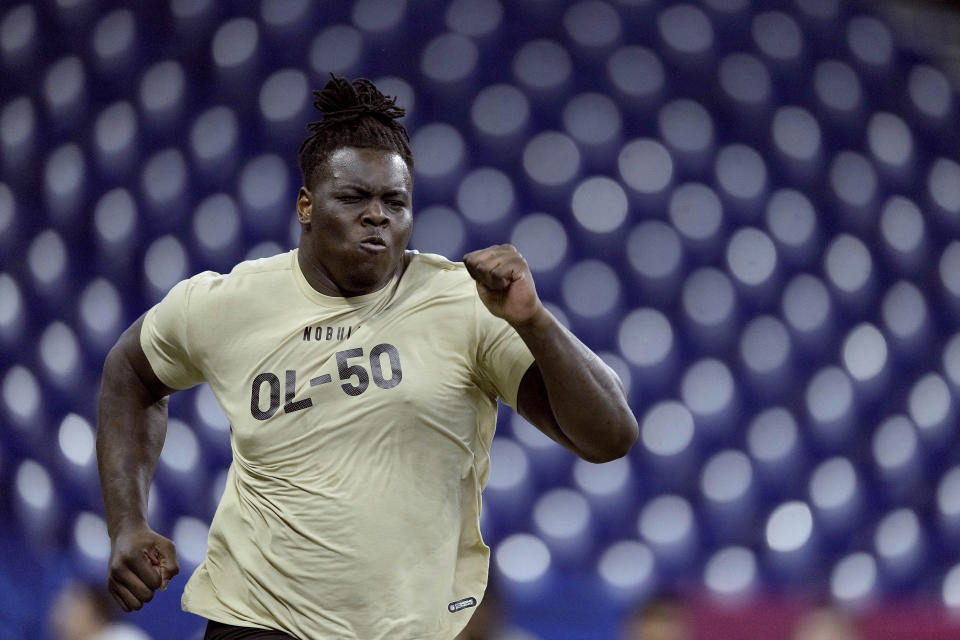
(348, 199)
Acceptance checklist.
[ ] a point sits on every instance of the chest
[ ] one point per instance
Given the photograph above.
(347, 383)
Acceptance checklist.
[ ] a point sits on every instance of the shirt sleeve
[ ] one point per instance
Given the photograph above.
(165, 338)
(502, 356)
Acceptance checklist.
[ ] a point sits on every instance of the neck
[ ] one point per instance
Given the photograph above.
(323, 281)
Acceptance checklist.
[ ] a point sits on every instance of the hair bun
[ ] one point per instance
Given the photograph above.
(340, 101)
(354, 115)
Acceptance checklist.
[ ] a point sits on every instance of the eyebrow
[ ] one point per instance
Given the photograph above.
(358, 186)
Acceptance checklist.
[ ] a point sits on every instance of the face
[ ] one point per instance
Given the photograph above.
(824, 624)
(664, 629)
(74, 617)
(666, 622)
(356, 221)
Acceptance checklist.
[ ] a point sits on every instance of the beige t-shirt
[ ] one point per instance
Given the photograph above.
(360, 430)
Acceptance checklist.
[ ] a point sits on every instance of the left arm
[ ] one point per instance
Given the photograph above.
(568, 392)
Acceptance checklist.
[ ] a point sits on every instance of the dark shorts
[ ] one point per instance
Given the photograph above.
(220, 631)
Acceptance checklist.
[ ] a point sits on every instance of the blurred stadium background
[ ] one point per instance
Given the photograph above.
(750, 208)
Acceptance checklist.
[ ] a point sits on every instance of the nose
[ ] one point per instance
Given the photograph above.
(375, 215)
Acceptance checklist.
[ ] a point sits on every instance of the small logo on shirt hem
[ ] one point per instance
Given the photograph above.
(459, 605)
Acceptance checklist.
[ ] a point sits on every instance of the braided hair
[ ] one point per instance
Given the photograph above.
(354, 115)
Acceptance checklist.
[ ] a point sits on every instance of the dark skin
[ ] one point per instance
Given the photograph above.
(359, 194)
(356, 223)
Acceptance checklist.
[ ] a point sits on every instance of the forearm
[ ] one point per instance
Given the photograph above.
(586, 396)
(131, 429)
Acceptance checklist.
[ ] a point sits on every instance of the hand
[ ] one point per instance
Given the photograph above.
(141, 561)
(504, 283)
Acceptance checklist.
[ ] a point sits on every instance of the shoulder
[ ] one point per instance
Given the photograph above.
(250, 273)
(432, 261)
(211, 292)
(434, 277)
(431, 266)
(279, 264)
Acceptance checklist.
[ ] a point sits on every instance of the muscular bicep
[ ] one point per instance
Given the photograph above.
(127, 367)
(533, 404)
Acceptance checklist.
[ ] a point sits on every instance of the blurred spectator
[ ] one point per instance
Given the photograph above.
(83, 612)
(825, 623)
(661, 618)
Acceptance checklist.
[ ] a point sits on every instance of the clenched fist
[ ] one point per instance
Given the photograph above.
(504, 283)
(141, 561)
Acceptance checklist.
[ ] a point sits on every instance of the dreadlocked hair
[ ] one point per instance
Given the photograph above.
(354, 115)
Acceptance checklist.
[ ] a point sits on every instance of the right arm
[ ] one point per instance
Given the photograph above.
(132, 424)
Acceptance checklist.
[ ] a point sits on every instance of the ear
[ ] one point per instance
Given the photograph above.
(304, 205)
